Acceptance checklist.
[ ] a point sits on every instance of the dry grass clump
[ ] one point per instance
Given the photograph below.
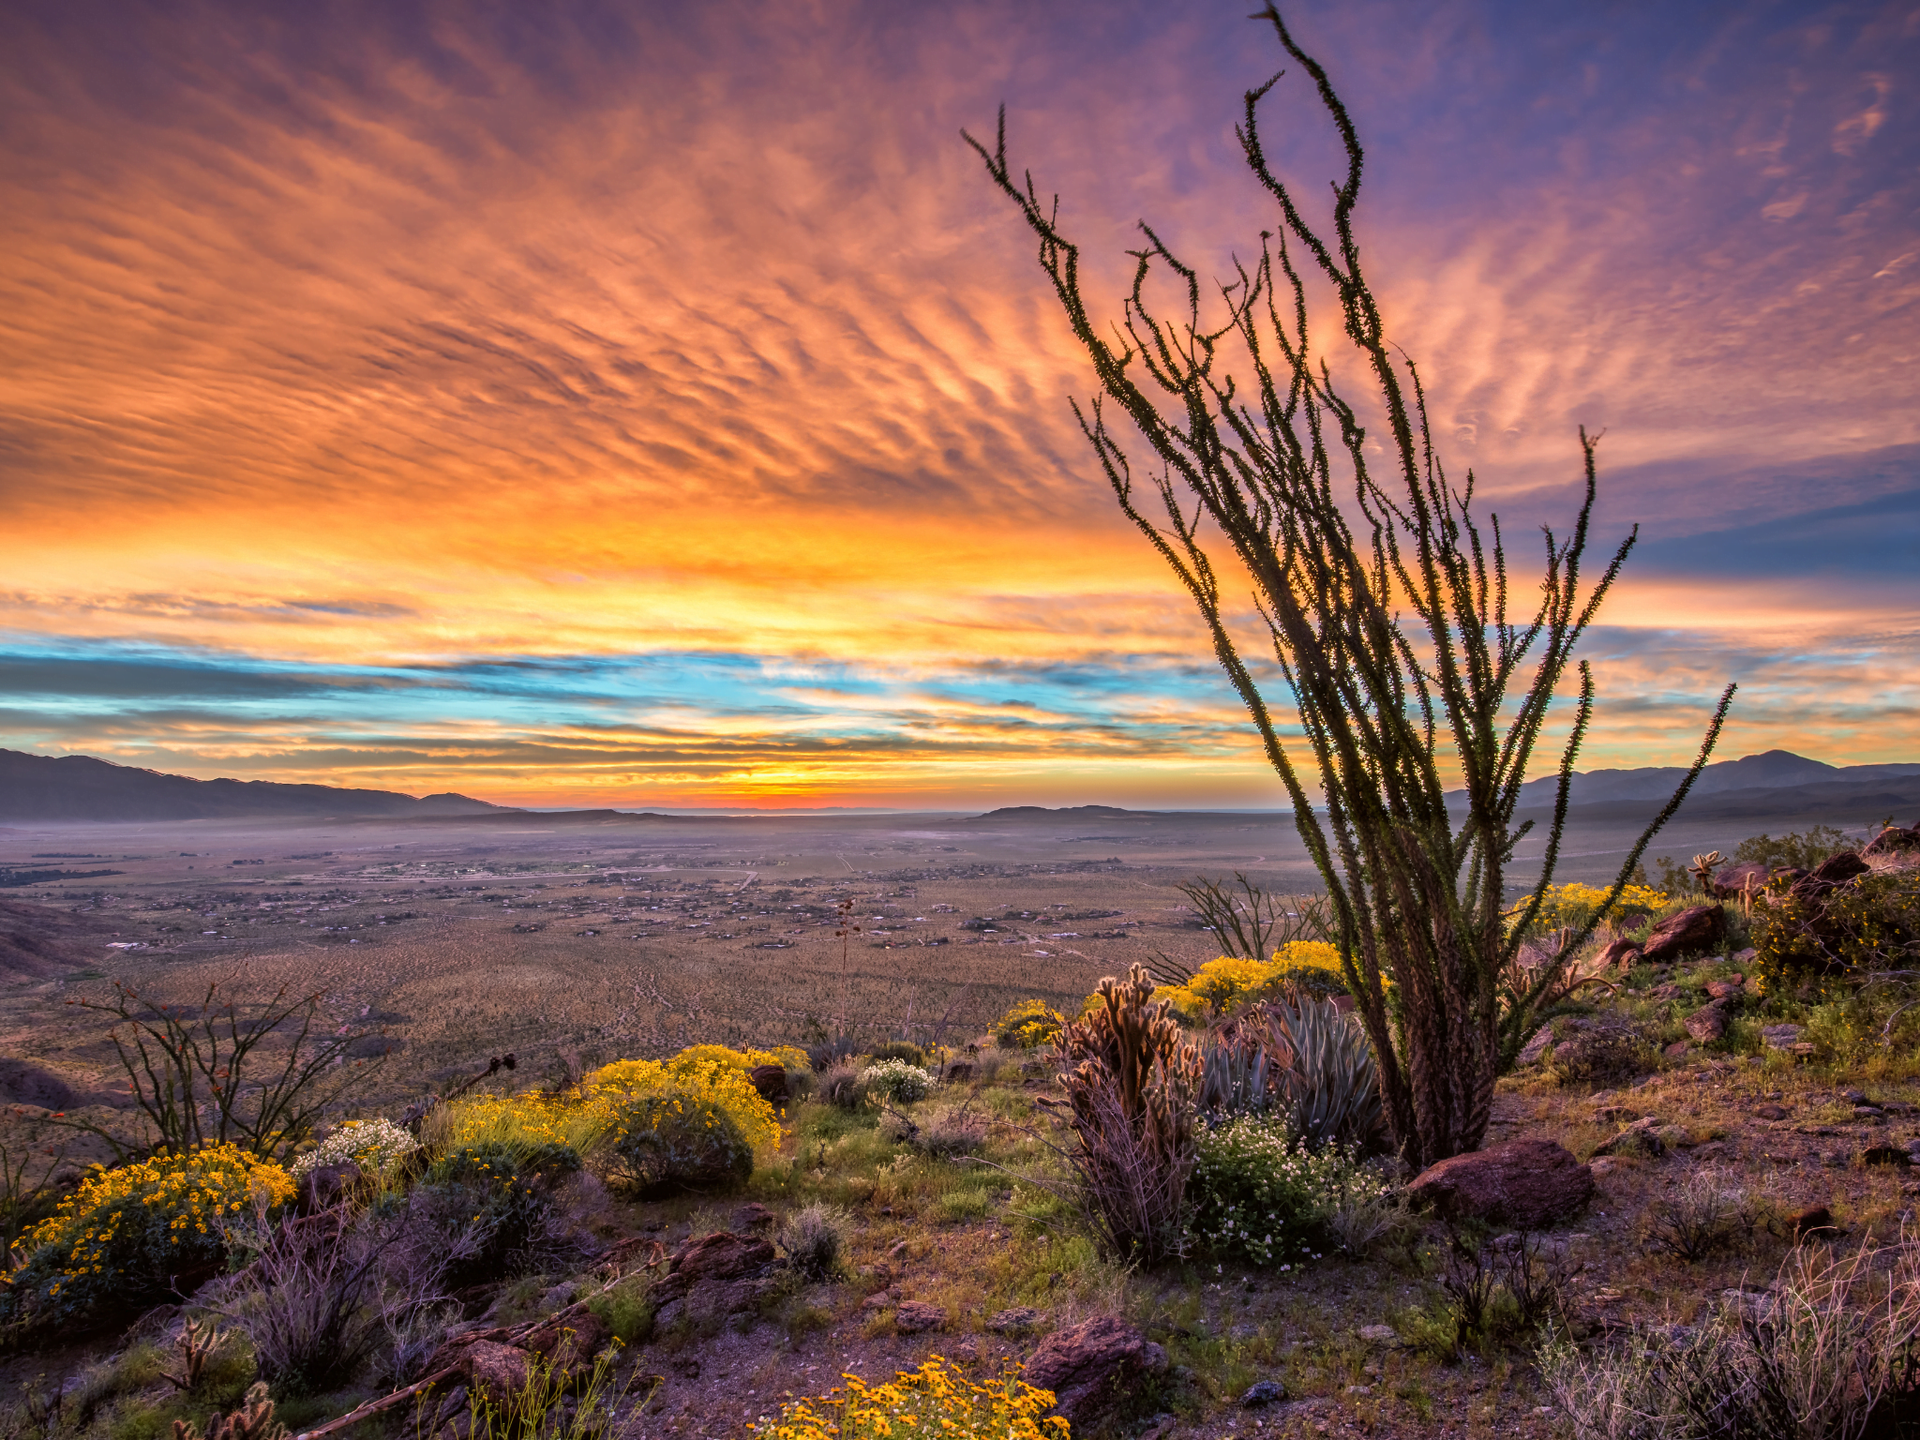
(840, 1086)
(942, 1132)
(1709, 1213)
(814, 1240)
(1830, 1354)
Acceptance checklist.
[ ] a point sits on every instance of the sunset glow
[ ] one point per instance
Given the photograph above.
(655, 406)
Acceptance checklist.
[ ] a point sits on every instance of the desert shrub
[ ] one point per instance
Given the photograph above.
(625, 1311)
(896, 1081)
(717, 1080)
(555, 1406)
(1258, 1194)
(1132, 1081)
(1829, 1353)
(840, 1087)
(1493, 1295)
(814, 1240)
(129, 1236)
(1228, 984)
(376, 1146)
(1870, 923)
(491, 1204)
(1028, 1025)
(1709, 1212)
(933, 1401)
(188, 1066)
(27, 1195)
(676, 1140)
(1803, 850)
(307, 1298)
(1867, 1025)
(787, 1057)
(943, 1132)
(518, 1123)
(1573, 906)
(905, 1050)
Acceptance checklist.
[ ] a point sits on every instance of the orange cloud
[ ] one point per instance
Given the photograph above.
(379, 342)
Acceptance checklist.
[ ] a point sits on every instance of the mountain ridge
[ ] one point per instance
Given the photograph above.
(1768, 770)
(81, 787)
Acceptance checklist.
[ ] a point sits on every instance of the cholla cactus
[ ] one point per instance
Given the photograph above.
(1132, 1080)
(252, 1421)
(373, 1145)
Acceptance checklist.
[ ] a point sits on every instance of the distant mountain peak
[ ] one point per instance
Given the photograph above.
(81, 787)
(1066, 812)
(1768, 770)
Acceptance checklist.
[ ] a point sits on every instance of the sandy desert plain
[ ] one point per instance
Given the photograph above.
(609, 936)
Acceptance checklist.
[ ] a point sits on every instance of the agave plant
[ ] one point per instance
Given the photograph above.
(1334, 1090)
(1243, 1068)
(1301, 1055)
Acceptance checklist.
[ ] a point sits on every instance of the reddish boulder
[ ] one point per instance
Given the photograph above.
(1814, 1220)
(770, 1081)
(1091, 1366)
(501, 1370)
(1830, 874)
(1893, 840)
(570, 1344)
(1524, 1183)
(1694, 928)
(325, 1186)
(1623, 952)
(1749, 876)
(753, 1217)
(713, 1279)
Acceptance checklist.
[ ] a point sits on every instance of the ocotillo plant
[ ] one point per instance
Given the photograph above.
(1386, 605)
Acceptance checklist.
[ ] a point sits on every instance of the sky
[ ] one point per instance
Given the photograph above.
(653, 404)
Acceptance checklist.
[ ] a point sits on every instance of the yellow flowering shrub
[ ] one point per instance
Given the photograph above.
(930, 1401)
(671, 1140)
(696, 1072)
(787, 1057)
(122, 1239)
(516, 1123)
(1222, 986)
(1573, 904)
(1029, 1024)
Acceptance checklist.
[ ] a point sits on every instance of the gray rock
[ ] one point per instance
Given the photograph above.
(1263, 1392)
(1694, 928)
(714, 1278)
(1708, 1023)
(1782, 1037)
(1531, 1052)
(913, 1317)
(1015, 1320)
